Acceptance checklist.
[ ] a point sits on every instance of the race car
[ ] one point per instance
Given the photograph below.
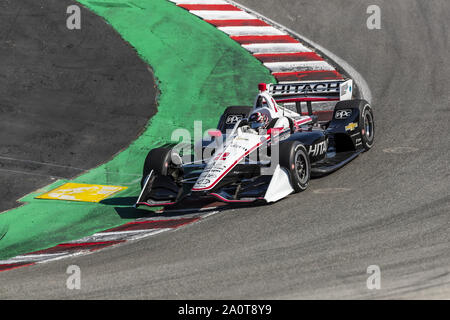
(265, 152)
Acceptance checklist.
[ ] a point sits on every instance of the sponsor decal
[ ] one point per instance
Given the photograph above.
(304, 88)
(318, 148)
(236, 147)
(234, 118)
(222, 156)
(212, 171)
(351, 126)
(81, 192)
(204, 181)
(343, 114)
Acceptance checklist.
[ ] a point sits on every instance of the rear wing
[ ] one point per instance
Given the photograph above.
(310, 91)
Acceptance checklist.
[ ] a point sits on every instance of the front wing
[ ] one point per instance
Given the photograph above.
(161, 192)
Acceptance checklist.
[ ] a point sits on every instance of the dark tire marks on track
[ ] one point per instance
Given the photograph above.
(72, 98)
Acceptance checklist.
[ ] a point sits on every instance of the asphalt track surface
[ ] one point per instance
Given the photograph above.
(389, 207)
(67, 101)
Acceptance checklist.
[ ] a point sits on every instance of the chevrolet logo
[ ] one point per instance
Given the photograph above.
(351, 126)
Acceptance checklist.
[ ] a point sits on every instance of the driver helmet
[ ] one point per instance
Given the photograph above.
(258, 120)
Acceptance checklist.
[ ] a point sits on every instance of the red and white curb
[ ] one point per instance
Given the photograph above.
(135, 230)
(287, 58)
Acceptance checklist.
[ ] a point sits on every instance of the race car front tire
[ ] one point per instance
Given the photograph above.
(157, 160)
(295, 159)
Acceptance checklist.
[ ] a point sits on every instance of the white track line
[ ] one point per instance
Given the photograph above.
(121, 235)
(33, 258)
(222, 15)
(57, 165)
(32, 174)
(251, 31)
(256, 48)
(182, 216)
(209, 214)
(140, 236)
(65, 256)
(115, 236)
(42, 163)
(298, 66)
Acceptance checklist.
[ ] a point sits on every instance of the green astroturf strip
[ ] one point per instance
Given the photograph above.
(199, 72)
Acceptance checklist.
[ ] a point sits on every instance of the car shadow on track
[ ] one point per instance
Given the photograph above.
(124, 206)
(120, 201)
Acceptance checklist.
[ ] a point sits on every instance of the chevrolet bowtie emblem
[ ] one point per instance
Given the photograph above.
(351, 126)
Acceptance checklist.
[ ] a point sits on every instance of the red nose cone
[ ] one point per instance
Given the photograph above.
(262, 87)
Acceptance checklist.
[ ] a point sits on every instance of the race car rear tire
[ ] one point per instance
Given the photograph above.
(295, 159)
(157, 160)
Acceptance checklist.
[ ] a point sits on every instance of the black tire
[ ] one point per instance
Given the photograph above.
(240, 111)
(157, 160)
(367, 127)
(294, 158)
